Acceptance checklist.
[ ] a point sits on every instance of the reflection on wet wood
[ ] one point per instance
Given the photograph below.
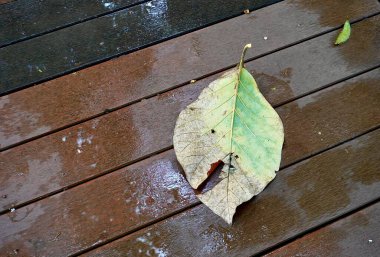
(302, 196)
(106, 37)
(355, 235)
(23, 19)
(105, 143)
(148, 190)
(66, 52)
(283, 75)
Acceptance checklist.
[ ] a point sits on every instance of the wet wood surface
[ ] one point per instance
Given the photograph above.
(87, 165)
(356, 235)
(103, 38)
(23, 19)
(137, 131)
(301, 197)
(156, 188)
(79, 96)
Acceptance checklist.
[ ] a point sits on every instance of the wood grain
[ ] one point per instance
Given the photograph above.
(87, 93)
(134, 196)
(91, 42)
(23, 19)
(302, 196)
(355, 235)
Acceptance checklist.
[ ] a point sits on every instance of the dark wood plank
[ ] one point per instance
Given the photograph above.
(23, 19)
(142, 129)
(355, 235)
(87, 43)
(87, 93)
(302, 196)
(134, 196)
(109, 36)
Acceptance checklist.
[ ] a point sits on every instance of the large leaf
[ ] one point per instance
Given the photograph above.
(229, 123)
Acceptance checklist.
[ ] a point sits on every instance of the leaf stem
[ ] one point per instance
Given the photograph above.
(235, 94)
(241, 63)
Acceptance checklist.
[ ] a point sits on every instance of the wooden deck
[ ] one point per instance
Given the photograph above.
(89, 96)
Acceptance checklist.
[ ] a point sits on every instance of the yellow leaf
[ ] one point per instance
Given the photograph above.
(229, 123)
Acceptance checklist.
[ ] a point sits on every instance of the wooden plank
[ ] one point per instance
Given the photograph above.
(23, 19)
(355, 235)
(134, 196)
(302, 196)
(72, 98)
(109, 36)
(142, 129)
(84, 44)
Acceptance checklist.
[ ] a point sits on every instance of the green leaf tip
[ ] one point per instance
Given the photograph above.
(345, 33)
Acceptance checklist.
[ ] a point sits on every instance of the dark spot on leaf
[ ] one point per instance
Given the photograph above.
(191, 109)
(212, 131)
(236, 156)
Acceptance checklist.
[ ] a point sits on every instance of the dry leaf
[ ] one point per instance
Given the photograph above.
(229, 123)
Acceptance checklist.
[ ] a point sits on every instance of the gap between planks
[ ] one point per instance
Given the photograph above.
(320, 229)
(110, 110)
(316, 228)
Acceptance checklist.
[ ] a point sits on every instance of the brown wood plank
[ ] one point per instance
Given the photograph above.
(355, 235)
(136, 195)
(89, 92)
(301, 197)
(129, 134)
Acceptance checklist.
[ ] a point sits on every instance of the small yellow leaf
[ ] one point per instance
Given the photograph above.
(344, 35)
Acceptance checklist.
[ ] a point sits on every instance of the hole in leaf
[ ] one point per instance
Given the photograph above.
(213, 166)
(213, 178)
